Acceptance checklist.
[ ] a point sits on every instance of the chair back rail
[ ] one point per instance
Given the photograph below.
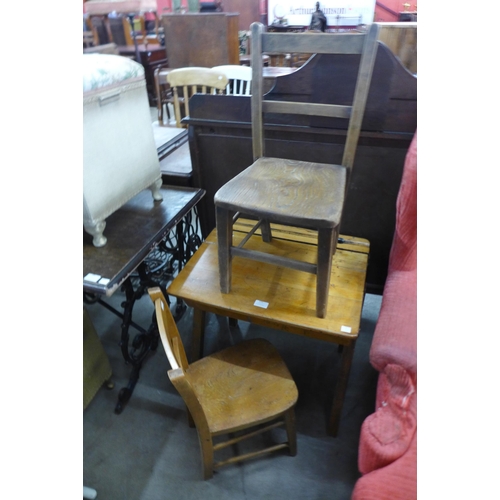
(240, 78)
(169, 334)
(191, 81)
(315, 43)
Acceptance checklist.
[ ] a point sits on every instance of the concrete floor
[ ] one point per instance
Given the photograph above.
(150, 453)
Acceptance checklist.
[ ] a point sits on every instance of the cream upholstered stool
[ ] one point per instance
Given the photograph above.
(120, 158)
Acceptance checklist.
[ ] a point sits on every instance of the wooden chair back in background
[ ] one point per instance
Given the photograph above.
(186, 82)
(240, 78)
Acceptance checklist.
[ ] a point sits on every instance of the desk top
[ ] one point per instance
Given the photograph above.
(132, 232)
(150, 47)
(277, 71)
(290, 295)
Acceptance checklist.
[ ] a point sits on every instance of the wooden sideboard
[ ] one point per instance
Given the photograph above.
(401, 38)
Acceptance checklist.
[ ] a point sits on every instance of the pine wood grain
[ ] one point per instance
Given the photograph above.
(290, 294)
(255, 376)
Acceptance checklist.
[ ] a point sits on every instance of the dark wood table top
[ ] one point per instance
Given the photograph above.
(245, 60)
(150, 47)
(132, 232)
(277, 71)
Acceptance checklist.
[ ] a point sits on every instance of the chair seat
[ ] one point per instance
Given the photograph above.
(294, 192)
(244, 384)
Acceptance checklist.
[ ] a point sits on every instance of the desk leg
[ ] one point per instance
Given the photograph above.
(199, 319)
(142, 344)
(340, 389)
(153, 272)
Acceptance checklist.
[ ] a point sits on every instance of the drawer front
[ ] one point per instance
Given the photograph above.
(152, 56)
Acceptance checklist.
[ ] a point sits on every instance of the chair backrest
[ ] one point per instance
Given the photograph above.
(191, 81)
(120, 29)
(88, 39)
(313, 43)
(240, 78)
(174, 349)
(101, 29)
(169, 334)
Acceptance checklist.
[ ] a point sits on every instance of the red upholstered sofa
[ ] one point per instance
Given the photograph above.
(387, 456)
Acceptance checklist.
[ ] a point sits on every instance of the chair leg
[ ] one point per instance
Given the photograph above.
(291, 432)
(159, 101)
(160, 112)
(265, 228)
(326, 249)
(207, 454)
(168, 98)
(224, 223)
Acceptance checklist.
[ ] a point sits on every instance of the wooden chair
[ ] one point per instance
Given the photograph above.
(119, 26)
(186, 82)
(240, 78)
(164, 94)
(99, 25)
(296, 193)
(236, 389)
(89, 38)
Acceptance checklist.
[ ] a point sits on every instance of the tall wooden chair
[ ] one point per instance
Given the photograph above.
(295, 193)
(240, 78)
(238, 388)
(186, 82)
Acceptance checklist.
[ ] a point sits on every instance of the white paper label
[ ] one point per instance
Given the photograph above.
(260, 303)
(345, 329)
(94, 278)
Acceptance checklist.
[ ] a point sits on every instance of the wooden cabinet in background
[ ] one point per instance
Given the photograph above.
(206, 39)
(401, 38)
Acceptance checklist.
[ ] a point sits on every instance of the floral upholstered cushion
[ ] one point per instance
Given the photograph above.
(103, 70)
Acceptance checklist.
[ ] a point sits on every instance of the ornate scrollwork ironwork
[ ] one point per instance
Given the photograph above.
(158, 269)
